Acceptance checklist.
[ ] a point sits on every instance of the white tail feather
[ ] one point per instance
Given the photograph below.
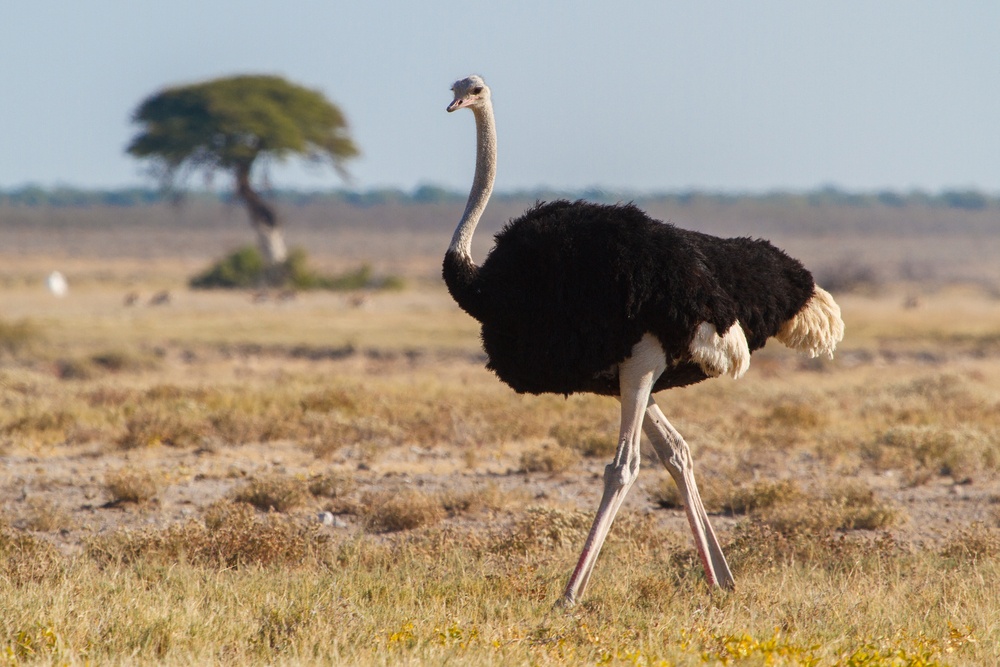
(817, 328)
(728, 354)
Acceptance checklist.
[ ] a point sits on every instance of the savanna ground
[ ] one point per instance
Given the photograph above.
(230, 478)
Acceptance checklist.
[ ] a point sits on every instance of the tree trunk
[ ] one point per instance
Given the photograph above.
(263, 219)
(271, 241)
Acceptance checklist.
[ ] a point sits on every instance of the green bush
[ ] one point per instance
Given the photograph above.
(245, 268)
(242, 268)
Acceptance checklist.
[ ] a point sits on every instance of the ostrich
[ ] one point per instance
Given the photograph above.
(582, 297)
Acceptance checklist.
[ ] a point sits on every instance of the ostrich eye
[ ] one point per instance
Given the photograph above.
(477, 90)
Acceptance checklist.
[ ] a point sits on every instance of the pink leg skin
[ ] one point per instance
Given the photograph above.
(637, 376)
(676, 456)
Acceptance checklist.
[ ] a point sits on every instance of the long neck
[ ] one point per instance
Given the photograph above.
(482, 183)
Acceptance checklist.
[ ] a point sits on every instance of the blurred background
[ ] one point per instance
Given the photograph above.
(649, 96)
(861, 136)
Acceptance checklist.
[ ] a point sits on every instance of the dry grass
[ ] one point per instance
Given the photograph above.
(973, 543)
(544, 528)
(104, 362)
(786, 507)
(548, 457)
(149, 426)
(17, 337)
(274, 493)
(487, 497)
(959, 451)
(231, 535)
(596, 441)
(333, 485)
(26, 559)
(131, 486)
(292, 596)
(852, 497)
(45, 516)
(392, 510)
(843, 506)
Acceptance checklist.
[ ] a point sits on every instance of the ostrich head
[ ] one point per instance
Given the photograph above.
(471, 91)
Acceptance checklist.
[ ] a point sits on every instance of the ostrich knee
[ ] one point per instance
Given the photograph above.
(621, 475)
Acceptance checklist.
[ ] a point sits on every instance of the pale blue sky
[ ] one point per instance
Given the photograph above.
(649, 95)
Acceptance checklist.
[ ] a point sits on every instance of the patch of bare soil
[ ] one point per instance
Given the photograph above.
(63, 492)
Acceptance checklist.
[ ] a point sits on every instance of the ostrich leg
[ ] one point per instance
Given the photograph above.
(637, 374)
(676, 456)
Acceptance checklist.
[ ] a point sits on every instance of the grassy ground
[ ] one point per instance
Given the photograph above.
(335, 479)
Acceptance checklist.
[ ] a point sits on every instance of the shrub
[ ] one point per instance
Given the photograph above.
(482, 497)
(329, 400)
(843, 506)
(972, 542)
(666, 494)
(113, 361)
(232, 535)
(544, 529)
(336, 489)
(127, 486)
(784, 506)
(394, 510)
(547, 457)
(241, 268)
(761, 495)
(44, 516)
(38, 421)
(156, 425)
(728, 497)
(124, 361)
(589, 442)
(277, 493)
(754, 545)
(332, 485)
(24, 558)
(246, 268)
(959, 451)
(796, 415)
(858, 508)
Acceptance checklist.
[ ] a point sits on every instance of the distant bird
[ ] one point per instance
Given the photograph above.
(56, 282)
(358, 300)
(161, 298)
(581, 297)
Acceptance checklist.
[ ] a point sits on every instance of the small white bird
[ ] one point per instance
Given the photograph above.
(56, 282)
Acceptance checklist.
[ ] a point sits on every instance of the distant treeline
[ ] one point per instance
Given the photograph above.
(36, 196)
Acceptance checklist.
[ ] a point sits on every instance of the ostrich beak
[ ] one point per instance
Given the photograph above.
(457, 103)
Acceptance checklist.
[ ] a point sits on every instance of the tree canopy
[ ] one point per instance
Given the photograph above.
(228, 123)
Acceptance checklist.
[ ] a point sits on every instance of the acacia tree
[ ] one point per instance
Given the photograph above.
(229, 124)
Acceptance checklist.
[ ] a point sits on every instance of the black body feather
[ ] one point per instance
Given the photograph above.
(570, 288)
